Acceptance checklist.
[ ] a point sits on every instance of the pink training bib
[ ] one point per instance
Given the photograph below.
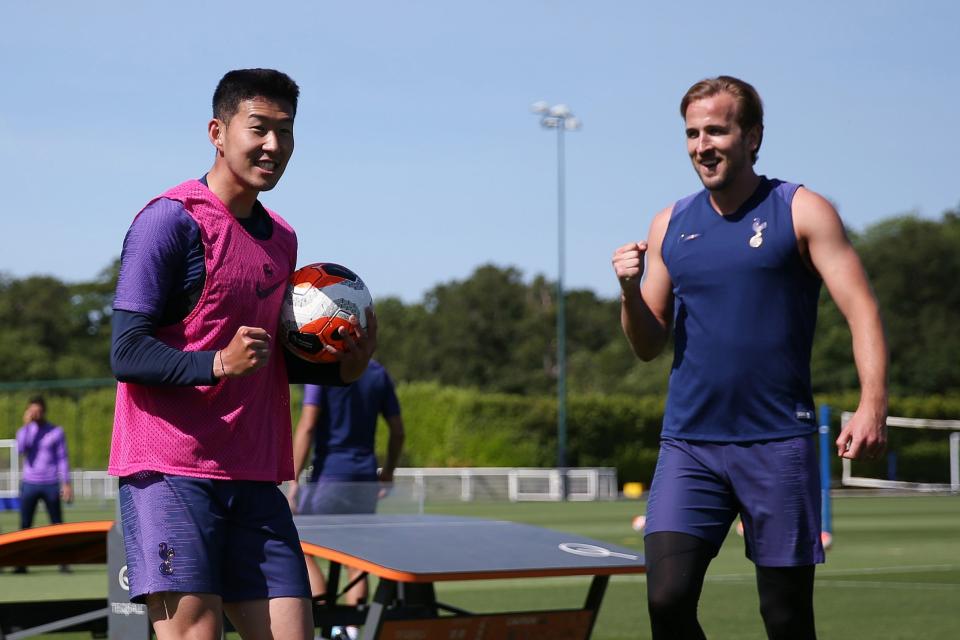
(239, 428)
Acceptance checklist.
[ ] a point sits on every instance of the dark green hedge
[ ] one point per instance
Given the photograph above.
(448, 426)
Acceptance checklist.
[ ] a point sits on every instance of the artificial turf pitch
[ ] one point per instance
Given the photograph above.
(893, 572)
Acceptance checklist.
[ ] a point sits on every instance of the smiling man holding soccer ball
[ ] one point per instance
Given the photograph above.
(202, 432)
(736, 270)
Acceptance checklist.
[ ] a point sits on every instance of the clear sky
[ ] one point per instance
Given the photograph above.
(417, 158)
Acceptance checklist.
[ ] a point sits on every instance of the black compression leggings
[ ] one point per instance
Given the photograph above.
(676, 566)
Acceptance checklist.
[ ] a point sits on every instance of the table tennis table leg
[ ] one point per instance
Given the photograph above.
(598, 587)
(595, 596)
(383, 597)
(333, 585)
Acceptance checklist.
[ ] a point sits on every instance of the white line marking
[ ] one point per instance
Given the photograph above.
(389, 525)
(565, 581)
(893, 569)
(822, 573)
(914, 586)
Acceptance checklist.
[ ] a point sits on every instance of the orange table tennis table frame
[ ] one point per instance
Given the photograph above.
(405, 603)
(72, 543)
(401, 599)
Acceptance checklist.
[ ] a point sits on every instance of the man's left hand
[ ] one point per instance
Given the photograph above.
(357, 348)
(864, 436)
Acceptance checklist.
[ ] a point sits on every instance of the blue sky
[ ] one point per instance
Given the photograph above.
(417, 158)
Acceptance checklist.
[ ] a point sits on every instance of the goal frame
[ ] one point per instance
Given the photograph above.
(848, 479)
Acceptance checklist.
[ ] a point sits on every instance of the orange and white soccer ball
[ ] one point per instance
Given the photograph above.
(318, 303)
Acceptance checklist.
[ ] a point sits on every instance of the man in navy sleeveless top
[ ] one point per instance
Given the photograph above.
(736, 269)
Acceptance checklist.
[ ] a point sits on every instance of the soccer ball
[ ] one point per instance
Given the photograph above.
(319, 301)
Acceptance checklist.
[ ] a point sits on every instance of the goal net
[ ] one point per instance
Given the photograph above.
(922, 455)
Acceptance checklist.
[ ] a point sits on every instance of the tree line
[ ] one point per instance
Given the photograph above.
(495, 331)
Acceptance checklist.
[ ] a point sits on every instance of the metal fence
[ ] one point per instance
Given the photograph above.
(420, 485)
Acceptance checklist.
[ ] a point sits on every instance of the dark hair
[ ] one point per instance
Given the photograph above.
(243, 84)
(37, 400)
(749, 105)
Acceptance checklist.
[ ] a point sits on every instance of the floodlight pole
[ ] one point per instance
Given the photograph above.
(561, 312)
(560, 117)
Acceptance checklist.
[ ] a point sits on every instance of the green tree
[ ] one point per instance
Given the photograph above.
(478, 326)
(403, 341)
(914, 264)
(55, 330)
(497, 333)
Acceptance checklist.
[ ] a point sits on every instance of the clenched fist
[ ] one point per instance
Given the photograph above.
(628, 265)
(248, 351)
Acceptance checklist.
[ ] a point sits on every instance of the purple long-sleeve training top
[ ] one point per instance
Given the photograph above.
(43, 449)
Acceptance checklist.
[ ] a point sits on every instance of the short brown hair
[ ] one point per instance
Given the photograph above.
(749, 105)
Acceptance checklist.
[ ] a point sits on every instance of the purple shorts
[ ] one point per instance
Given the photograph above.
(233, 538)
(332, 497)
(700, 487)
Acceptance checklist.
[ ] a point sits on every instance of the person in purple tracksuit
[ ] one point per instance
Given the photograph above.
(46, 467)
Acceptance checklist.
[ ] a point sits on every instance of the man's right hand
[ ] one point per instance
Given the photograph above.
(32, 414)
(628, 265)
(248, 351)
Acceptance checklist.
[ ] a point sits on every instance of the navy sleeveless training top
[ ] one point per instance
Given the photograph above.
(745, 309)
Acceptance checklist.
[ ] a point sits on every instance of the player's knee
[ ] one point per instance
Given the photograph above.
(786, 602)
(787, 620)
(673, 615)
(670, 601)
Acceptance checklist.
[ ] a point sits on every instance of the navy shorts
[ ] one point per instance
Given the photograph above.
(233, 538)
(700, 487)
(333, 497)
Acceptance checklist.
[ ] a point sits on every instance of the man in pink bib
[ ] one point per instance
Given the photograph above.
(202, 433)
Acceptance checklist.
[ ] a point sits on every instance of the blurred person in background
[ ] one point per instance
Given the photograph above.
(46, 467)
(340, 424)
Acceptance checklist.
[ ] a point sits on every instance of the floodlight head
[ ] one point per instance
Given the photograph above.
(560, 111)
(572, 123)
(550, 122)
(540, 106)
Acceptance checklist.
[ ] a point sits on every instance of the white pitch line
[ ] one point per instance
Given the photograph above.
(399, 525)
(907, 586)
(894, 569)
(736, 577)
(528, 583)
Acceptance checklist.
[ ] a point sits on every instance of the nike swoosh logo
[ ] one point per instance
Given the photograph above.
(265, 293)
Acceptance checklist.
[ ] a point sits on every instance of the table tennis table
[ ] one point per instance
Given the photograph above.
(411, 553)
(408, 553)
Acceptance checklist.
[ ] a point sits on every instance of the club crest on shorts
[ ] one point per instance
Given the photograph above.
(166, 554)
